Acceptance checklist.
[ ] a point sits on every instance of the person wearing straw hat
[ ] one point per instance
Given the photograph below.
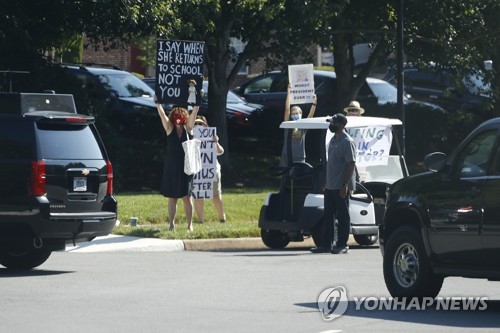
(354, 109)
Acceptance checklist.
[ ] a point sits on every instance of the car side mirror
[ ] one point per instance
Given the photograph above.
(435, 161)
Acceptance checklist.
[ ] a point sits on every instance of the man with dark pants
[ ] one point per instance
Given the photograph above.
(340, 182)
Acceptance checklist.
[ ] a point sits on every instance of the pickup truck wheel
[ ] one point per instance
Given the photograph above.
(274, 239)
(366, 239)
(407, 272)
(23, 259)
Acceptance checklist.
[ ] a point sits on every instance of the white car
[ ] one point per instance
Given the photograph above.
(296, 210)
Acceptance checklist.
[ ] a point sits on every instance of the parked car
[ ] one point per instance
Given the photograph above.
(445, 222)
(127, 99)
(444, 89)
(56, 176)
(296, 211)
(241, 115)
(270, 90)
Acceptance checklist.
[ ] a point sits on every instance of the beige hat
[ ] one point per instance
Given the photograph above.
(354, 108)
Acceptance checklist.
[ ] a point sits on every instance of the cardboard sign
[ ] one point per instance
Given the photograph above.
(301, 79)
(202, 182)
(179, 72)
(373, 144)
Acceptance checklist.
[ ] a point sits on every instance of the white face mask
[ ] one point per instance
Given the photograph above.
(295, 116)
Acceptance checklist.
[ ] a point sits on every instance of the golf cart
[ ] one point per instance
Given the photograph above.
(295, 212)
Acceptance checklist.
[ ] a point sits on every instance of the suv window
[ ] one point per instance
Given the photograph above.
(67, 142)
(473, 159)
(16, 141)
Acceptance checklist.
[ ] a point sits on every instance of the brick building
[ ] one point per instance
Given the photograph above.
(126, 58)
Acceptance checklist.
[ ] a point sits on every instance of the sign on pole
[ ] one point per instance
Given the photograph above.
(179, 72)
(301, 79)
(202, 182)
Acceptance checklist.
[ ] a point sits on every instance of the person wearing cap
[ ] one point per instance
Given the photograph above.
(298, 136)
(340, 182)
(354, 109)
(199, 204)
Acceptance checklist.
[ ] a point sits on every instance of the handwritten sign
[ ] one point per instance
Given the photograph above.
(179, 72)
(202, 182)
(373, 144)
(301, 78)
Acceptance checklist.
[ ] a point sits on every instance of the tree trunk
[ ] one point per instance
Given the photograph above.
(217, 58)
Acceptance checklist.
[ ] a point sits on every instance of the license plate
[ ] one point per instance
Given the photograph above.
(80, 184)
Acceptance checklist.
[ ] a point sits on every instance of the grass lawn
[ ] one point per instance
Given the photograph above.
(241, 205)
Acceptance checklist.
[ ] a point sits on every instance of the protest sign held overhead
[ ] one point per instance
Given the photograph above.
(301, 79)
(179, 72)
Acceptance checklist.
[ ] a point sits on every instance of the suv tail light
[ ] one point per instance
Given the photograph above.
(38, 174)
(109, 189)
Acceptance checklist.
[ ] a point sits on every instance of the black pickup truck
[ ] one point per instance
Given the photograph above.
(56, 178)
(445, 222)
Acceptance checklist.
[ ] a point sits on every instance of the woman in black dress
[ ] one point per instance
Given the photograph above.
(175, 183)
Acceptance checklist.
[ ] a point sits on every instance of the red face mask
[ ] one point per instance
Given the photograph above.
(179, 120)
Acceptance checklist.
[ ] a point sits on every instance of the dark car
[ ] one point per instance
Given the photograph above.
(241, 115)
(124, 98)
(270, 90)
(444, 89)
(445, 222)
(56, 176)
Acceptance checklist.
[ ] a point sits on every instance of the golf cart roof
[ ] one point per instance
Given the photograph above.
(352, 121)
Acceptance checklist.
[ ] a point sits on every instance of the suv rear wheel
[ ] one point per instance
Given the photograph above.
(23, 259)
(407, 272)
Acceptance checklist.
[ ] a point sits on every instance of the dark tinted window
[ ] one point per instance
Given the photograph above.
(259, 85)
(16, 139)
(325, 85)
(67, 142)
(473, 159)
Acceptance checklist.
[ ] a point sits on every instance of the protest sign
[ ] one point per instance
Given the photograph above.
(373, 144)
(301, 79)
(202, 182)
(179, 72)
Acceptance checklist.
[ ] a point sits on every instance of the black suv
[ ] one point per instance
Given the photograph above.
(57, 181)
(445, 222)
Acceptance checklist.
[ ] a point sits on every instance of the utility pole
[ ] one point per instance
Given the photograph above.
(400, 75)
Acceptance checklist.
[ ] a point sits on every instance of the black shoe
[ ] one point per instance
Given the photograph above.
(319, 250)
(340, 250)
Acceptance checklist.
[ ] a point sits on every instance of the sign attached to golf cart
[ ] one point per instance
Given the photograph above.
(373, 143)
(372, 135)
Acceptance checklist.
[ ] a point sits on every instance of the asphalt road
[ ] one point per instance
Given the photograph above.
(219, 291)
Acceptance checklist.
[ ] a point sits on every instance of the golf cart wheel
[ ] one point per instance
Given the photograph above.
(27, 259)
(366, 239)
(274, 239)
(407, 271)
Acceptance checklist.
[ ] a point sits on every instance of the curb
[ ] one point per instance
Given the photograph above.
(117, 243)
(228, 244)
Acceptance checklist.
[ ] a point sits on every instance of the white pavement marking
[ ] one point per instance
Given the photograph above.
(116, 243)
